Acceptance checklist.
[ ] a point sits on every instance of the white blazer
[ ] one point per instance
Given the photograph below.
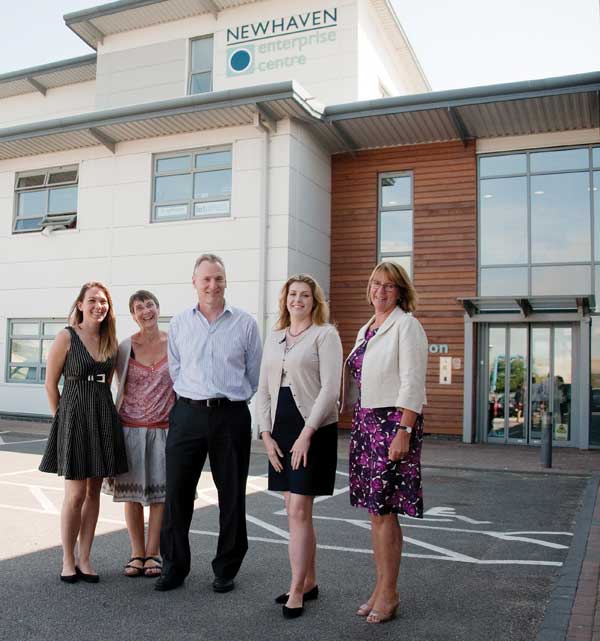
(394, 366)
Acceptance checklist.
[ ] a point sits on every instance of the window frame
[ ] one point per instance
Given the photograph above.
(192, 171)
(192, 72)
(528, 174)
(381, 255)
(40, 337)
(47, 187)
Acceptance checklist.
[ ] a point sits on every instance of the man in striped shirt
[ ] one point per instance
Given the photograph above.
(214, 361)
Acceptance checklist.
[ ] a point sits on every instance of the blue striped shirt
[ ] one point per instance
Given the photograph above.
(219, 359)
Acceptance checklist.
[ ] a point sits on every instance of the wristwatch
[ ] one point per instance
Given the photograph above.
(407, 429)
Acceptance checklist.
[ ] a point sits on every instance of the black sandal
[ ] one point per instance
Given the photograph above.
(139, 571)
(153, 574)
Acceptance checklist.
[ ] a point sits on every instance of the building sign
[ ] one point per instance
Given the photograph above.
(438, 348)
(277, 43)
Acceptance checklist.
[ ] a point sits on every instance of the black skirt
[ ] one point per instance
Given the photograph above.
(318, 477)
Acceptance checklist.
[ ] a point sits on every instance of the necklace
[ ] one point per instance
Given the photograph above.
(289, 331)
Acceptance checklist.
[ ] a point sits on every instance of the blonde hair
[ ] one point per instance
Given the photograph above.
(108, 329)
(320, 310)
(407, 295)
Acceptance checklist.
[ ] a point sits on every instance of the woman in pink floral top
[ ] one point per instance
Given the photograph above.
(144, 401)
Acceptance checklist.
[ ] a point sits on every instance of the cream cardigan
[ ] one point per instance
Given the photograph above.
(394, 365)
(313, 368)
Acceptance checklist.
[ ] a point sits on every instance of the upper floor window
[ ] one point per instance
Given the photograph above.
(46, 198)
(537, 210)
(396, 219)
(192, 184)
(27, 348)
(201, 65)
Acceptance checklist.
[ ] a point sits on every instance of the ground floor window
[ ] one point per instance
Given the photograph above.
(27, 346)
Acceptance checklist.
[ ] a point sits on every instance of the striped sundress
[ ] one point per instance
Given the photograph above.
(86, 439)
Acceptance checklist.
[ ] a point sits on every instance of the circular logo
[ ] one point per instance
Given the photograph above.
(240, 60)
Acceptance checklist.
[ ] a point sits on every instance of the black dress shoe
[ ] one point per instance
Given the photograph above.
(165, 583)
(69, 578)
(292, 613)
(223, 585)
(311, 595)
(88, 578)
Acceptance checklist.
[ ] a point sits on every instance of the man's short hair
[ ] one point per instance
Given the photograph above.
(211, 258)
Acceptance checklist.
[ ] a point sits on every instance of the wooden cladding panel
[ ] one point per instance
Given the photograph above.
(444, 253)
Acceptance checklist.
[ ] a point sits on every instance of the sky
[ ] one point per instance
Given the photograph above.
(459, 43)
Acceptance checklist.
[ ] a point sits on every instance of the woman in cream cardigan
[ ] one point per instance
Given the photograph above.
(297, 413)
(384, 378)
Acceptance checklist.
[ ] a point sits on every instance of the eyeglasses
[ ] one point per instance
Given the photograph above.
(387, 287)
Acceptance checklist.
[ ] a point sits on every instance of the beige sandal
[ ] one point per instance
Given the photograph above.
(377, 617)
(363, 610)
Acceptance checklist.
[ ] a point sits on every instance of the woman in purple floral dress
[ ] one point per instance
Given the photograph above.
(384, 379)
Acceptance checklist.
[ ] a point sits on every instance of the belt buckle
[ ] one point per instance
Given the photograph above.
(212, 402)
(100, 378)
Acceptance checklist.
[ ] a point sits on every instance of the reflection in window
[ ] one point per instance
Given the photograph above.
(540, 215)
(562, 279)
(503, 216)
(396, 219)
(559, 160)
(502, 165)
(560, 218)
(28, 343)
(504, 281)
(43, 194)
(192, 185)
(201, 65)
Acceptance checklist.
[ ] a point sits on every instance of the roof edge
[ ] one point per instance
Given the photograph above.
(229, 97)
(469, 95)
(50, 67)
(105, 9)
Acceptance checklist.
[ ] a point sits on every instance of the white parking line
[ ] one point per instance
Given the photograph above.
(43, 500)
(33, 469)
(37, 440)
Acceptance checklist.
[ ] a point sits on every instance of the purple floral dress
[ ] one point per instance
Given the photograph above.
(376, 483)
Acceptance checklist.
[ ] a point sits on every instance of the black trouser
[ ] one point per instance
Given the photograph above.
(224, 433)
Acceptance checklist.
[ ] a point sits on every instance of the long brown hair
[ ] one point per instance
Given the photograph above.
(320, 310)
(108, 329)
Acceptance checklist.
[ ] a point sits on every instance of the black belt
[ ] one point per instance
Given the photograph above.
(211, 402)
(91, 378)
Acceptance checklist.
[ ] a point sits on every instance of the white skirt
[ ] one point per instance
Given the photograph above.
(145, 482)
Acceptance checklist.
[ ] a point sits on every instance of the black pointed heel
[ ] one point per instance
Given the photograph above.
(292, 613)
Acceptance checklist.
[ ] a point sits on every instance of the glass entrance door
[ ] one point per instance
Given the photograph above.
(529, 373)
(507, 383)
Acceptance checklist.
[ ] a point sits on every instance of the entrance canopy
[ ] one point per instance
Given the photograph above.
(525, 307)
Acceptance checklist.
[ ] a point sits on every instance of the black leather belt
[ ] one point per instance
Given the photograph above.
(211, 402)
(91, 378)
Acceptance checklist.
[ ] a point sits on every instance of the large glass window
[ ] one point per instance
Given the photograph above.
(201, 65)
(45, 197)
(27, 348)
(194, 184)
(396, 219)
(503, 216)
(539, 229)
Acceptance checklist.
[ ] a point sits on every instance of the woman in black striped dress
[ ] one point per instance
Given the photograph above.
(86, 440)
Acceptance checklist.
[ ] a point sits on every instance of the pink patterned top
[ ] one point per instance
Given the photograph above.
(149, 395)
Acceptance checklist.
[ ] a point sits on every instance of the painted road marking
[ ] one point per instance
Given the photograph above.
(208, 495)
